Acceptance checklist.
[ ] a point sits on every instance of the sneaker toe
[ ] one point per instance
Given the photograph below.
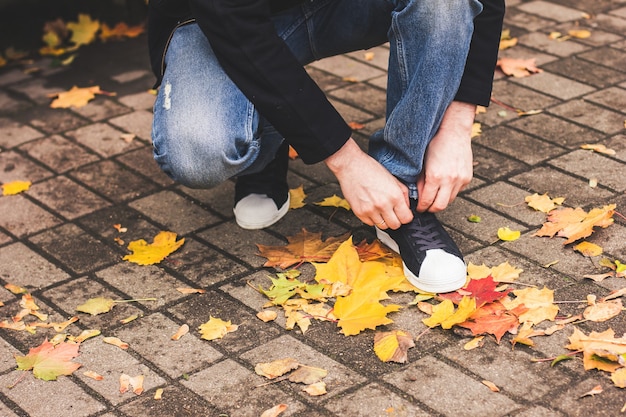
(257, 211)
(441, 272)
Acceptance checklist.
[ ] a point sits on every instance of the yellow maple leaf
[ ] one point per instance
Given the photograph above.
(216, 328)
(601, 350)
(163, 244)
(588, 249)
(445, 315)
(476, 130)
(334, 201)
(543, 203)
(393, 346)
(360, 311)
(296, 198)
(84, 31)
(15, 187)
(540, 304)
(506, 234)
(75, 97)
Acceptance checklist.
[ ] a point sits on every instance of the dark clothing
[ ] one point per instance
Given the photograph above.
(243, 38)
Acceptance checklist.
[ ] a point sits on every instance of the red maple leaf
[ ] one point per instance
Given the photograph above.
(483, 290)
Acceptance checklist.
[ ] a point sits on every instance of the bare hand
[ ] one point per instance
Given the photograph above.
(375, 196)
(448, 160)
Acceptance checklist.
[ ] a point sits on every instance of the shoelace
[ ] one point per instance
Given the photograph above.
(425, 237)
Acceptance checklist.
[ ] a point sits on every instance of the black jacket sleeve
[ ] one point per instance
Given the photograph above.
(245, 42)
(477, 80)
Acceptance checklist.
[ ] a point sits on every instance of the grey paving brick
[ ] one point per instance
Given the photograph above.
(345, 67)
(13, 134)
(555, 85)
(234, 389)
(100, 109)
(138, 122)
(21, 266)
(38, 398)
(175, 402)
(15, 167)
(557, 184)
(143, 162)
(103, 139)
(551, 10)
(585, 72)
(618, 144)
(442, 391)
(58, 153)
(518, 145)
(493, 165)
(542, 42)
(556, 130)
(129, 76)
(538, 411)
(174, 212)
(38, 90)
(613, 98)
(51, 120)
(377, 56)
(18, 214)
(516, 17)
(509, 200)
(517, 97)
(148, 281)
(8, 102)
(7, 356)
(6, 411)
(138, 101)
(609, 57)
(375, 401)
(151, 337)
(13, 76)
(612, 23)
(363, 96)
(111, 362)
(52, 193)
(571, 403)
(588, 164)
(73, 247)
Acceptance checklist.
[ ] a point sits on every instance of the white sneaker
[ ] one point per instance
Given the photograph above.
(258, 211)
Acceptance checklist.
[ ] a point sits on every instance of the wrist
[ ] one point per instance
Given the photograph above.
(344, 156)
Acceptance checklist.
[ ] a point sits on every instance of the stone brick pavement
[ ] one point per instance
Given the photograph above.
(57, 240)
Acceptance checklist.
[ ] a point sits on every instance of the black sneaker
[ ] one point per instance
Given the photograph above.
(432, 261)
(262, 199)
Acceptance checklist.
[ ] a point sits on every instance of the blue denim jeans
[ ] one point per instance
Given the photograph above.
(206, 131)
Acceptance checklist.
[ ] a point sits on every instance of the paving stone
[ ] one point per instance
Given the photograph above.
(62, 398)
(618, 144)
(4, 238)
(15, 167)
(511, 370)
(557, 184)
(573, 406)
(613, 98)
(491, 165)
(73, 247)
(538, 411)
(523, 52)
(376, 98)
(151, 337)
(175, 402)
(585, 72)
(542, 42)
(374, 400)
(18, 214)
(475, 399)
(486, 230)
(515, 96)
(606, 56)
(202, 265)
(556, 130)
(510, 142)
(239, 243)
(54, 192)
(21, 266)
(138, 122)
(345, 67)
(612, 23)
(612, 238)
(111, 362)
(555, 85)
(38, 90)
(551, 10)
(114, 181)
(318, 173)
(14, 134)
(74, 293)
(377, 56)
(142, 161)
(6, 411)
(219, 199)
(129, 76)
(10, 104)
(103, 139)
(13, 76)
(7, 357)
(351, 113)
(339, 378)
(234, 389)
(155, 283)
(589, 164)
(101, 109)
(58, 153)
(174, 212)
(200, 308)
(52, 121)
(138, 101)
(326, 81)
(509, 200)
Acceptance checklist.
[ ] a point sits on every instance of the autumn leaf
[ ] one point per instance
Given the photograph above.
(274, 369)
(48, 361)
(115, 341)
(119, 31)
(267, 315)
(603, 310)
(393, 346)
(95, 306)
(482, 290)
(540, 304)
(588, 249)
(579, 33)
(93, 375)
(296, 198)
(619, 378)
(128, 382)
(359, 311)
(184, 290)
(495, 319)
(15, 289)
(599, 148)
(15, 187)
(308, 375)
(75, 97)
(506, 41)
(303, 247)
(216, 328)
(576, 224)
(476, 130)
(293, 154)
(182, 330)
(508, 235)
(315, 390)
(84, 31)
(601, 350)
(445, 315)
(518, 67)
(283, 287)
(334, 201)
(543, 203)
(274, 411)
(162, 245)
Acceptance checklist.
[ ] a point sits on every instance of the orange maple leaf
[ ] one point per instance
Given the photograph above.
(75, 97)
(518, 67)
(495, 319)
(575, 224)
(303, 247)
(48, 361)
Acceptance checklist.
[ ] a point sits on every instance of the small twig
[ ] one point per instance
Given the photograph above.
(274, 381)
(421, 334)
(133, 300)
(556, 357)
(20, 379)
(510, 205)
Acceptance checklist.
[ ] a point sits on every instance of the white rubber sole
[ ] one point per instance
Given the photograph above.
(258, 211)
(450, 278)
